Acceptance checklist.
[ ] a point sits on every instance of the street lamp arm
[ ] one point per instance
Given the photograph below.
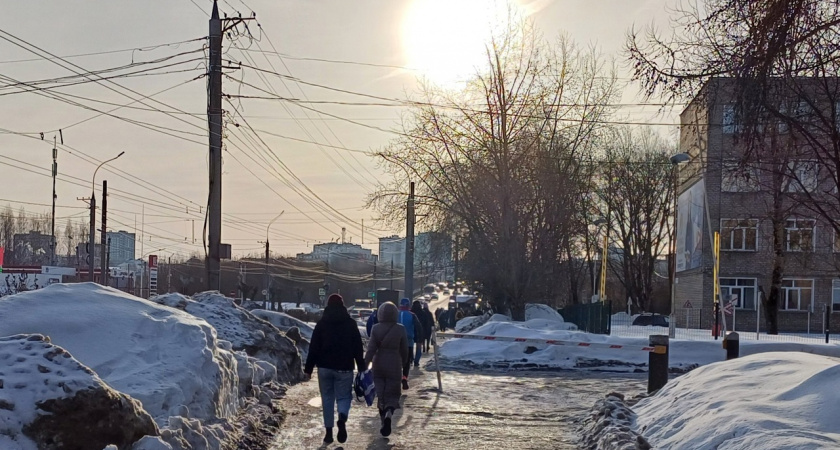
(93, 181)
(270, 223)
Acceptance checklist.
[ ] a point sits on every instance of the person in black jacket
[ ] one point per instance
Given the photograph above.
(336, 343)
(428, 322)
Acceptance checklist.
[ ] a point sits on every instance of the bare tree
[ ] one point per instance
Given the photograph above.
(500, 163)
(636, 197)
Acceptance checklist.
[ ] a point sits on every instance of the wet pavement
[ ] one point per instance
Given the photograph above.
(477, 409)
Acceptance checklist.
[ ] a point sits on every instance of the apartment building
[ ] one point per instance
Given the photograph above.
(772, 204)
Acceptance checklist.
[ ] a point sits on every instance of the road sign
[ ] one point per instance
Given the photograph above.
(371, 294)
(322, 292)
(322, 298)
(728, 309)
(265, 292)
(688, 305)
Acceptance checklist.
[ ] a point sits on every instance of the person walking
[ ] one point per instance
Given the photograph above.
(371, 321)
(336, 343)
(428, 321)
(388, 351)
(414, 331)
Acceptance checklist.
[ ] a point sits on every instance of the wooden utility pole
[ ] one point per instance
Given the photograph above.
(103, 239)
(409, 244)
(91, 250)
(54, 197)
(214, 116)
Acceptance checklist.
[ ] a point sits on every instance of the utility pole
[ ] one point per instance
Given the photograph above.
(267, 281)
(218, 27)
(103, 239)
(169, 275)
(91, 250)
(455, 274)
(54, 197)
(392, 272)
(409, 244)
(214, 116)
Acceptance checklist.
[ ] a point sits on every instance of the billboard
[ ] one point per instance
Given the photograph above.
(691, 213)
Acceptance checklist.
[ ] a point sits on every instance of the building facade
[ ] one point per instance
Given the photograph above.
(121, 248)
(756, 202)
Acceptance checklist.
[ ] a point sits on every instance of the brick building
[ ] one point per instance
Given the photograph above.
(748, 199)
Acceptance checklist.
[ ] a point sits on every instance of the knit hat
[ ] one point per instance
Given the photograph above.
(335, 300)
(404, 303)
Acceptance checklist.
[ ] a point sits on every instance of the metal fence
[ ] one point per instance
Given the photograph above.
(589, 317)
(697, 324)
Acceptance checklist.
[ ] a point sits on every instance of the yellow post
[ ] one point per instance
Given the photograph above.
(604, 269)
(716, 253)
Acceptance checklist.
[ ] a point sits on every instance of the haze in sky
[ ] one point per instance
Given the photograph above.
(303, 59)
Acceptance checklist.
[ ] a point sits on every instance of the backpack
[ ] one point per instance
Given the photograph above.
(407, 320)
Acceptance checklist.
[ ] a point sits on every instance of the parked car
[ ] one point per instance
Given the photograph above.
(647, 320)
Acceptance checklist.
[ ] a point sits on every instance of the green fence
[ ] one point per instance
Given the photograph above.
(589, 317)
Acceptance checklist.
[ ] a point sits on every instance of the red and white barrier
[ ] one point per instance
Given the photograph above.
(659, 349)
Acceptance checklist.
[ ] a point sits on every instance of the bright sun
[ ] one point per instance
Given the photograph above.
(445, 39)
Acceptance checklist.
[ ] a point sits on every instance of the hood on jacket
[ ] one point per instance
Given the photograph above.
(335, 313)
(416, 308)
(387, 313)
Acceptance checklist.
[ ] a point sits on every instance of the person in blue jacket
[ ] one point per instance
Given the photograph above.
(414, 332)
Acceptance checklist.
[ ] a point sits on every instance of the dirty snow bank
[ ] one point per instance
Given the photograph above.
(785, 400)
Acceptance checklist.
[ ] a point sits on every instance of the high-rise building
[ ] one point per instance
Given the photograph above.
(122, 247)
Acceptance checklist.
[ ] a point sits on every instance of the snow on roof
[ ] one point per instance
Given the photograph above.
(166, 358)
(787, 400)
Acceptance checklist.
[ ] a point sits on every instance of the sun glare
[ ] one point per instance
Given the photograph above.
(445, 39)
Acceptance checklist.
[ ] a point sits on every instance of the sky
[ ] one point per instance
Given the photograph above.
(302, 50)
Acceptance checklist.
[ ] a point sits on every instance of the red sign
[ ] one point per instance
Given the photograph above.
(153, 261)
(2, 251)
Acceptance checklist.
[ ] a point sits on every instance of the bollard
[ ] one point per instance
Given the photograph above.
(658, 362)
(732, 345)
(827, 322)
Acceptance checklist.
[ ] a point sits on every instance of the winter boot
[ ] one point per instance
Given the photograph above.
(405, 383)
(342, 430)
(386, 422)
(328, 439)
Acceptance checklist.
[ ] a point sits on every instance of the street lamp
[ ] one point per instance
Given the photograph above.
(266, 279)
(676, 160)
(91, 237)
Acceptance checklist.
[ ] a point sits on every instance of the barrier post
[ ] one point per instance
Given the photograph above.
(732, 344)
(435, 344)
(827, 322)
(658, 363)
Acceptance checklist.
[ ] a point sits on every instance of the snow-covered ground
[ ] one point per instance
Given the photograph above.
(191, 382)
(777, 395)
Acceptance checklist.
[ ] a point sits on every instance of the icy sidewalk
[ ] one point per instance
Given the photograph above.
(528, 410)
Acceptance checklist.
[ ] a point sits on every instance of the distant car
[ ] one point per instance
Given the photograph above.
(364, 313)
(434, 297)
(446, 292)
(648, 320)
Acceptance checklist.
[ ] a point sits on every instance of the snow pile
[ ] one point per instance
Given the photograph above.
(284, 322)
(540, 311)
(243, 330)
(167, 359)
(47, 396)
(625, 355)
(608, 426)
(772, 400)
(468, 324)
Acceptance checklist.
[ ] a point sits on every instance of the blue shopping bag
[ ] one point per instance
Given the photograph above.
(364, 388)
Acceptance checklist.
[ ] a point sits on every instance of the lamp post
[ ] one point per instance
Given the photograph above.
(266, 278)
(91, 237)
(597, 223)
(676, 160)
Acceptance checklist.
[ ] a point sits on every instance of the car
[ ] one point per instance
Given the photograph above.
(364, 313)
(434, 297)
(647, 320)
(446, 292)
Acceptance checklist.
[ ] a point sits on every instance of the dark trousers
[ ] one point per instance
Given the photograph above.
(407, 364)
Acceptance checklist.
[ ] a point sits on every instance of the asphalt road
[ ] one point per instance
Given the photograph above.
(501, 410)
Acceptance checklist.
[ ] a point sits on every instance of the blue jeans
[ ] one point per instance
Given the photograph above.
(336, 386)
(418, 352)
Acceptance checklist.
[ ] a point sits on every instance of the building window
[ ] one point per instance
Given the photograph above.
(729, 119)
(802, 176)
(799, 235)
(742, 290)
(835, 295)
(797, 294)
(740, 235)
(735, 178)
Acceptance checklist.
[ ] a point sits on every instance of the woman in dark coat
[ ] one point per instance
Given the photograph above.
(336, 344)
(428, 321)
(388, 351)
